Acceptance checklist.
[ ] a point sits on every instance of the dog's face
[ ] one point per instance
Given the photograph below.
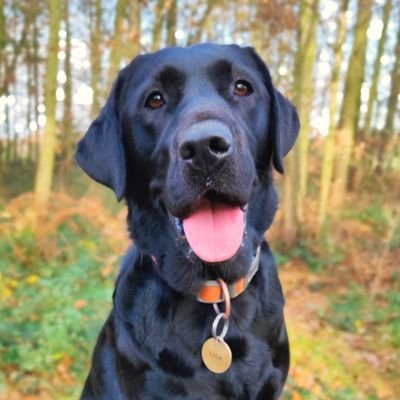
(188, 137)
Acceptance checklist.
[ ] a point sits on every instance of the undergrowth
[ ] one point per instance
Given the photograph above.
(358, 312)
(51, 309)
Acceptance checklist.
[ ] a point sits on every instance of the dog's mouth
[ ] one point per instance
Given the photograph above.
(214, 230)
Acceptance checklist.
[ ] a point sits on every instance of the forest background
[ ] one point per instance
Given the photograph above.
(337, 233)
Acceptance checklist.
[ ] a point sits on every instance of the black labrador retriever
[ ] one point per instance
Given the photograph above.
(189, 137)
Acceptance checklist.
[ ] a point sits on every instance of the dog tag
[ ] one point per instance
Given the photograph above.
(216, 355)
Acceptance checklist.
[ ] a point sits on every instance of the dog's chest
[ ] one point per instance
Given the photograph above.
(170, 331)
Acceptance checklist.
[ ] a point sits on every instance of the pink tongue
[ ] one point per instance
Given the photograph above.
(214, 231)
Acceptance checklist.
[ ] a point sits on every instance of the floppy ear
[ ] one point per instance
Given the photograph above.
(285, 127)
(100, 152)
(284, 122)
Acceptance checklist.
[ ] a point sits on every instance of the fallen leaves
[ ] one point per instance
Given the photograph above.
(79, 304)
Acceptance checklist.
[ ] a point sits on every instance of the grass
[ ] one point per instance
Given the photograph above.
(51, 309)
(357, 312)
(317, 255)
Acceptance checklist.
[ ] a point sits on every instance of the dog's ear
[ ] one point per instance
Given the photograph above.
(284, 122)
(284, 125)
(100, 152)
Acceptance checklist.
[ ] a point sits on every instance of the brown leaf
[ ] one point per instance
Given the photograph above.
(79, 304)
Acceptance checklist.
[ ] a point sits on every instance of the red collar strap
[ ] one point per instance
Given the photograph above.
(211, 291)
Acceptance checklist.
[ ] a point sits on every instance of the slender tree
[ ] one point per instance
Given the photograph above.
(196, 37)
(10, 63)
(377, 68)
(32, 61)
(131, 38)
(67, 117)
(304, 91)
(133, 47)
(295, 179)
(4, 148)
(3, 41)
(44, 172)
(392, 102)
(165, 12)
(68, 140)
(117, 47)
(36, 81)
(171, 23)
(290, 189)
(158, 24)
(329, 144)
(394, 89)
(29, 61)
(349, 116)
(95, 12)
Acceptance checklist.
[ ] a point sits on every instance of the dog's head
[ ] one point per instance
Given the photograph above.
(188, 136)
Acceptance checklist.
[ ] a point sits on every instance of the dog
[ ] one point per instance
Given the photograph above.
(189, 138)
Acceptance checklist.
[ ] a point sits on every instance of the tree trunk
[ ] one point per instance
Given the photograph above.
(377, 67)
(394, 89)
(95, 55)
(329, 144)
(67, 118)
(44, 173)
(171, 23)
(3, 43)
(68, 142)
(290, 188)
(295, 180)
(134, 45)
(349, 116)
(196, 38)
(117, 42)
(9, 70)
(36, 84)
(29, 89)
(5, 149)
(32, 61)
(303, 94)
(158, 25)
(393, 99)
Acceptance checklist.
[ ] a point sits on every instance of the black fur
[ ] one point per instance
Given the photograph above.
(150, 346)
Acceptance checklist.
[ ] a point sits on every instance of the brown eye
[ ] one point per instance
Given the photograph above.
(242, 88)
(154, 100)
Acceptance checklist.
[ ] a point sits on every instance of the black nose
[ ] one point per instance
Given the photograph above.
(206, 144)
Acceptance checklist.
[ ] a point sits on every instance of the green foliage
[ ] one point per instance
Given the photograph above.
(357, 310)
(324, 393)
(394, 243)
(52, 310)
(346, 311)
(391, 314)
(317, 257)
(348, 394)
(281, 258)
(374, 215)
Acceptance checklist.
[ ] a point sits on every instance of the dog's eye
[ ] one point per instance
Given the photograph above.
(154, 100)
(242, 88)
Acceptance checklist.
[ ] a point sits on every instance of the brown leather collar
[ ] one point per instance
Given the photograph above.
(211, 291)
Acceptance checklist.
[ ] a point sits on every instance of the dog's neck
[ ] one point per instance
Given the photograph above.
(211, 291)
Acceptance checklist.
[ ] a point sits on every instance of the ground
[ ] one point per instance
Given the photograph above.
(342, 301)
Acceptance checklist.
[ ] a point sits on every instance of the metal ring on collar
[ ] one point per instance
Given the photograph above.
(215, 326)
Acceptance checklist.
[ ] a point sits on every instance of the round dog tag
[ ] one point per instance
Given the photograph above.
(217, 355)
